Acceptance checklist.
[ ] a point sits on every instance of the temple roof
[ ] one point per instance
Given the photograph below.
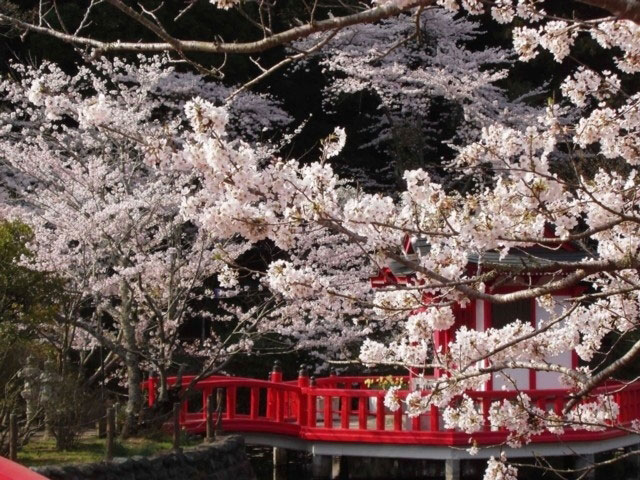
(534, 257)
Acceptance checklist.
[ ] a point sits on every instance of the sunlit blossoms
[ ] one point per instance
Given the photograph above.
(416, 403)
(89, 173)
(465, 416)
(498, 469)
(225, 4)
(334, 143)
(519, 417)
(594, 415)
(391, 400)
(205, 117)
(523, 192)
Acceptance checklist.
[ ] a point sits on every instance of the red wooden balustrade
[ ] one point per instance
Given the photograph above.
(345, 409)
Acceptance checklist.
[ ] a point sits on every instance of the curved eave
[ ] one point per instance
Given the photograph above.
(513, 260)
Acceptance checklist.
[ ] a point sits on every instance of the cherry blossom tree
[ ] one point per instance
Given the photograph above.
(82, 172)
(100, 165)
(435, 91)
(572, 168)
(569, 165)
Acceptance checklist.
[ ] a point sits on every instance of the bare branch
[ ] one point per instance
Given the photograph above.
(174, 44)
(624, 9)
(281, 64)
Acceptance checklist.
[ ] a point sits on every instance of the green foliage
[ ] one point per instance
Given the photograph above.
(28, 301)
(27, 297)
(68, 407)
(42, 451)
(385, 383)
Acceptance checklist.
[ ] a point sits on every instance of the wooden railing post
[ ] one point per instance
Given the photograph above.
(311, 404)
(269, 408)
(111, 433)
(328, 413)
(151, 387)
(363, 412)
(416, 423)
(486, 405)
(176, 426)
(101, 424)
(254, 403)
(210, 409)
(231, 402)
(335, 401)
(13, 437)
(434, 423)
(219, 400)
(279, 405)
(397, 419)
(276, 372)
(205, 392)
(277, 399)
(332, 377)
(558, 405)
(380, 411)
(303, 383)
(345, 410)
(274, 376)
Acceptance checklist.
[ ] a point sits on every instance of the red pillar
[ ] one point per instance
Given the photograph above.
(272, 394)
(303, 383)
(151, 387)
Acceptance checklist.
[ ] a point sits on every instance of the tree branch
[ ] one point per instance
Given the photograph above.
(173, 44)
(578, 272)
(603, 375)
(623, 9)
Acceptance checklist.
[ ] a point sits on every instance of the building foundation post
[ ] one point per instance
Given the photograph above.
(321, 467)
(585, 461)
(336, 467)
(632, 463)
(279, 463)
(451, 469)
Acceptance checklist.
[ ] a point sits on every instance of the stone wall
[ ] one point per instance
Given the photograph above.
(225, 459)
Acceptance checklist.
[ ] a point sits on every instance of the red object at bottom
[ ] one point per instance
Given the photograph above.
(13, 471)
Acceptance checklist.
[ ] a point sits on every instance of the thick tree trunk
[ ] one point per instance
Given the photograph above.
(132, 361)
(163, 394)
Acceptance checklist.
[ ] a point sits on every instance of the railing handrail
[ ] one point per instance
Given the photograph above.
(186, 380)
(244, 382)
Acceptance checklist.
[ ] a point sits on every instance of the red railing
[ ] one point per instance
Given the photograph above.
(346, 409)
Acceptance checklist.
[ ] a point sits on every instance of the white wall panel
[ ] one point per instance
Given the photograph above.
(550, 380)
